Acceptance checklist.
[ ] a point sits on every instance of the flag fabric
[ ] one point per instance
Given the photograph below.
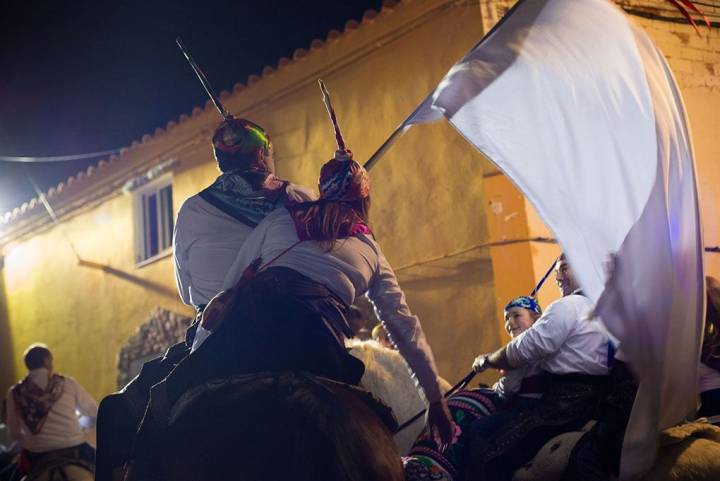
(580, 110)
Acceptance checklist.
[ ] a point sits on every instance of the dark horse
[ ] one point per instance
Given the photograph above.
(273, 426)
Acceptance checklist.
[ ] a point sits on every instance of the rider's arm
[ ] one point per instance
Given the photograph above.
(84, 402)
(404, 328)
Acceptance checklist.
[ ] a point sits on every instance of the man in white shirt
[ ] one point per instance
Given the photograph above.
(210, 229)
(574, 352)
(42, 412)
(212, 225)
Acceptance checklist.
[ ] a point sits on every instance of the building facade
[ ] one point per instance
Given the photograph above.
(98, 286)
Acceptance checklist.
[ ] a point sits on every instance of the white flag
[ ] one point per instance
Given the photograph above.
(580, 110)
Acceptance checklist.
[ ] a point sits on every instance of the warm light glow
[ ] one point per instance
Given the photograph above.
(20, 262)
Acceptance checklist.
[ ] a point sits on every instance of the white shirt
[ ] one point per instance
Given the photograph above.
(206, 242)
(563, 340)
(61, 428)
(355, 266)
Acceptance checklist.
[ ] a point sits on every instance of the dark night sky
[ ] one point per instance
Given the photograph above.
(83, 76)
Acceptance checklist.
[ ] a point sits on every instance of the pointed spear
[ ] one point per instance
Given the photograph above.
(331, 112)
(203, 80)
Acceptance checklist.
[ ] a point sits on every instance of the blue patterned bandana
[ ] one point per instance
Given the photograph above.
(526, 302)
(234, 195)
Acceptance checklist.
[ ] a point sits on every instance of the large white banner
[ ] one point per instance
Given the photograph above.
(580, 110)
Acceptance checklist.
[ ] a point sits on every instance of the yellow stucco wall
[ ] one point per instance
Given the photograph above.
(433, 196)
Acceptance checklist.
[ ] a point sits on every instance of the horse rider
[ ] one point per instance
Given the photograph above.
(211, 227)
(574, 353)
(42, 415)
(516, 390)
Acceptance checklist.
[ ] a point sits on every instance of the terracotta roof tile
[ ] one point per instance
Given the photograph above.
(333, 35)
(351, 25)
(299, 53)
(369, 15)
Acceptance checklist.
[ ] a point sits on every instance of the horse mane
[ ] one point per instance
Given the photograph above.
(387, 376)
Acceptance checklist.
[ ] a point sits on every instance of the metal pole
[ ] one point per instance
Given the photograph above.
(203, 80)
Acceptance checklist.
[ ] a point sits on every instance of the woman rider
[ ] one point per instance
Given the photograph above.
(290, 288)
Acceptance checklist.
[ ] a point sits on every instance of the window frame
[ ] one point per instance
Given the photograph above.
(141, 224)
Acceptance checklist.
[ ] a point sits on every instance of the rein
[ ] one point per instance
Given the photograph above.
(460, 385)
(466, 380)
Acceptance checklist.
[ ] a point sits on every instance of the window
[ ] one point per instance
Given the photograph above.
(153, 219)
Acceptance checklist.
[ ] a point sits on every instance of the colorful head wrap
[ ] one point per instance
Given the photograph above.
(240, 137)
(343, 179)
(526, 302)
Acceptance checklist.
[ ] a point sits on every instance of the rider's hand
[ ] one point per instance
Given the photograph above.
(439, 423)
(481, 363)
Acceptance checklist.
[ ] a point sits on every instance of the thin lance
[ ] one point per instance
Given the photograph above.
(51, 213)
(544, 278)
(333, 118)
(203, 80)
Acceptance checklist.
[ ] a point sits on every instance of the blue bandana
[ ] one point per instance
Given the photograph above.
(234, 195)
(526, 302)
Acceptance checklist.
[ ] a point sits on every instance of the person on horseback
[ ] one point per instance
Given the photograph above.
(42, 414)
(330, 244)
(286, 299)
(211, 227)
(520, 314)
(516, 390)
(575, 354)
